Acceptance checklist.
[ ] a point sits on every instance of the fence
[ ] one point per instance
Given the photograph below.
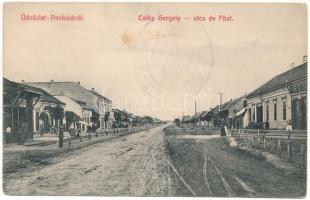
(288, 145)
(174, 130)
(114, 131)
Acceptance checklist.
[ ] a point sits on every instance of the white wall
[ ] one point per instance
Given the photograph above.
(71, 105)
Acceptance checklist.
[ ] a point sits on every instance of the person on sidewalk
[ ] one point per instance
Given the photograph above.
(20, 133)
(223, 129)
(289, 126)
(8, 132)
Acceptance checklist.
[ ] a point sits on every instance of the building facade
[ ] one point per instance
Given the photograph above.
(27, 104)
(281, 100)
(95, 107)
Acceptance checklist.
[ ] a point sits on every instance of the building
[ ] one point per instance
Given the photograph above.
(237, 113)
(232, 113)
(105, 111)
(26, 104)
(99, 105)
(281, 99)
(77, 108)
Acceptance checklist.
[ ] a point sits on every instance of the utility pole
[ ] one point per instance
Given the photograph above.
(195, 109)
(196, 116)
(221, 96)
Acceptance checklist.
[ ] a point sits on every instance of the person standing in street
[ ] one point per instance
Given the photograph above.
(61, 136)
(78, 131)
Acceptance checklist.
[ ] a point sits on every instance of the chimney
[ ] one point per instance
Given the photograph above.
(305, 59)
(78, 82)
(52, 80)
(23, 81)
(93, 89)
(292, 65)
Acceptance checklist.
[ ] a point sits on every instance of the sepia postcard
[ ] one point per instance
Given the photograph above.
(155, 99)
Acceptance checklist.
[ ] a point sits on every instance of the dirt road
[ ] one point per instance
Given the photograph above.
(148, 163)
(132, 165)
(207, 166)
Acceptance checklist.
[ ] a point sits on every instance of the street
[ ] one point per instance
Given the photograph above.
(148, 163)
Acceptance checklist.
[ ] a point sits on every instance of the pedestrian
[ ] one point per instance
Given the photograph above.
(78, 131)
(8, 131)
(289, 126)
(24, 132)
(267, 124)
(223, 129)
(41, 127)
(61, 137)
(20, 133)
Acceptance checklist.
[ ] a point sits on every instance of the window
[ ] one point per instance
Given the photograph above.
(250, 114)
(253, 113)
(284, 110)
(267, 112)
(275, 111)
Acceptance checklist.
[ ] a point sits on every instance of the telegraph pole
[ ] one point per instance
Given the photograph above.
(195, 109)
(196, 116)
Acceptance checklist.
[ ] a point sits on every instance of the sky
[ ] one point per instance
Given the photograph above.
(156, 68)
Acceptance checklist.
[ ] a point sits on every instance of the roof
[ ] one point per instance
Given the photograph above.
(281, 80)
(233, 104)
(71, 89)
(10, 86)
(237, 106)
(96, 93)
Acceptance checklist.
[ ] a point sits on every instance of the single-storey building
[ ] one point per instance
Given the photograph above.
(29, 105)
(88, 99)
(281, 99)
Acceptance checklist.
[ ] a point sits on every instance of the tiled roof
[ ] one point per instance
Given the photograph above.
(236, 104)
(282, 79)
(96, 93)
(10, 86)
(71, 89)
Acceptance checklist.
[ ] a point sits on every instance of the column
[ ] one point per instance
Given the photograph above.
(34, 121)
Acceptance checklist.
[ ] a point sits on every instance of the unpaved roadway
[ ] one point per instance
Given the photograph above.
(130, 165)
(148, 163)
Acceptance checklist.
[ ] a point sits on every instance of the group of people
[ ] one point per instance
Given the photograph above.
(21, 130)
(76, 130)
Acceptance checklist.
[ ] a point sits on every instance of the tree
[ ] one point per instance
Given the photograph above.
(71, 118)
(177, 121)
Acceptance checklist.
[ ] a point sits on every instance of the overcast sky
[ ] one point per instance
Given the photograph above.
(156, 68)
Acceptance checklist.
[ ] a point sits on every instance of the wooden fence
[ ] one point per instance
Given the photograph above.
(289, 145)
(174, 130)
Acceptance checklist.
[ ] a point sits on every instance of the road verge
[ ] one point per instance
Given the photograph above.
(275, 160)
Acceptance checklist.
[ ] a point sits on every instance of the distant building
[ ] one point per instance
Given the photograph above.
(232, 113)
(78, 107)
(282, 98)
(99, 105)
